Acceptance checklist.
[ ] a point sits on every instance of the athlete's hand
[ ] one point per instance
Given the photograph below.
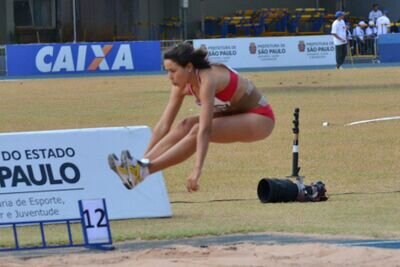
(192, 184)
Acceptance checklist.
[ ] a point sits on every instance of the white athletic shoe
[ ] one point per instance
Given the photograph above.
(121, 170)
(133, 166)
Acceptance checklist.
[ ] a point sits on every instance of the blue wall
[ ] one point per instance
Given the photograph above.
(389, 47)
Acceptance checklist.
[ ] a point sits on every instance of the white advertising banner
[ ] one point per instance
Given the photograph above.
(44, 174)
(264, 52)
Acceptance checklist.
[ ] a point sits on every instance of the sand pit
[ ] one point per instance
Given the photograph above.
(227, 255)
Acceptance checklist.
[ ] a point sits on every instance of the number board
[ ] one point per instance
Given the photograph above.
(95, 225)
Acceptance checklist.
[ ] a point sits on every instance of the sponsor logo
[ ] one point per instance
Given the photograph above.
(73, 58)
(224, 51)
(41, 174)
(301, 46)
(253, 48)
(271, 49)
(50, 173)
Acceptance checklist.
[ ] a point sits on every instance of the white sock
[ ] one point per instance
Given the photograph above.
(144, 170)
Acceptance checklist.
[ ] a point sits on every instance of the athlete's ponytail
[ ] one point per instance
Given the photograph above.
(184, 53)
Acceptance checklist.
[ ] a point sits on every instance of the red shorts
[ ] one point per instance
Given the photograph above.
(264, 111)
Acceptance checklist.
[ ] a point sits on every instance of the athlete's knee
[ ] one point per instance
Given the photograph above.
(186, 124)
(193, 130)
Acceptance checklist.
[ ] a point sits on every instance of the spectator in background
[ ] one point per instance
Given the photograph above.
(375, 13)
(358, 35)
(383, 27)
(371, 31)
(350, 39)
(349, 35)
(370, 34)
(394, 28)
(339, 31)
(383, 24)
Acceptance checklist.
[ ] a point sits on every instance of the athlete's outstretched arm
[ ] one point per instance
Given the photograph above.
(167, 118)
(207, 93)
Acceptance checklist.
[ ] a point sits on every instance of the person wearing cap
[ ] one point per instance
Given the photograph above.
(383, 23)
(358, 35)
(375, 13)
(338, 32)
(370, 35)
(371, 31)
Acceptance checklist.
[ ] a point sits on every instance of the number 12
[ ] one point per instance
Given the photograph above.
(100, 223)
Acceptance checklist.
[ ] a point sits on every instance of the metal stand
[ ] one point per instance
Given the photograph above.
(295, 160)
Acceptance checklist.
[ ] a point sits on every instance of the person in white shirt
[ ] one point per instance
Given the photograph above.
(371, 31)
(375, 13)
(358, 31)
(383, 23)
(339, 31)
(370, 35)
(358, 35)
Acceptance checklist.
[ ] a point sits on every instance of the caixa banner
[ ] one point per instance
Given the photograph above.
(81, 58)
(44, 174)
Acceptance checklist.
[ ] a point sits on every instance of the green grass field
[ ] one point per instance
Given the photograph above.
(359, 164)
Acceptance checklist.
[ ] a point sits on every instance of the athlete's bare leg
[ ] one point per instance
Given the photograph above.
(174, 136)
(246, 127)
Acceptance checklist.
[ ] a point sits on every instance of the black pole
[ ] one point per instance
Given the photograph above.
(296, 130)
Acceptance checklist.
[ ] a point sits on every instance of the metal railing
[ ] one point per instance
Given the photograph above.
(365, 47)
(3, 68)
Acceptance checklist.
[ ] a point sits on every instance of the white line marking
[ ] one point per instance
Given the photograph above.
(8, 80)
(373, 243)
(373, 120)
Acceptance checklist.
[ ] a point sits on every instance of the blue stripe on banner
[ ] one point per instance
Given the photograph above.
(83, 58)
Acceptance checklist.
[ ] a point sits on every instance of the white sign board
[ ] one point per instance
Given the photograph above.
(264, 52)
(44, 174)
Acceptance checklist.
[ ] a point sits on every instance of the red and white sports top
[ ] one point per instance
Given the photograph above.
(222, 98)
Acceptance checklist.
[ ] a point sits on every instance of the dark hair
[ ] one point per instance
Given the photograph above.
(374, 5)
(184, 53)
